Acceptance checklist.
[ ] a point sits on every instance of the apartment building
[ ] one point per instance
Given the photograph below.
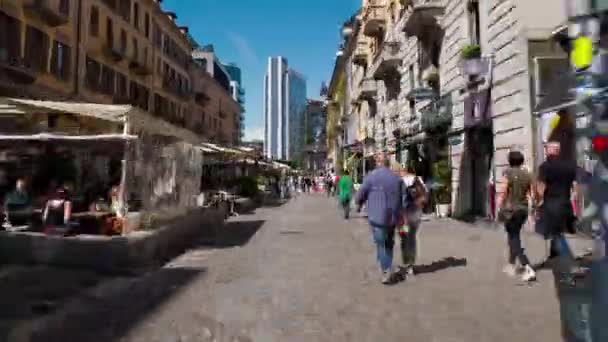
(103, 51)
(410, 91)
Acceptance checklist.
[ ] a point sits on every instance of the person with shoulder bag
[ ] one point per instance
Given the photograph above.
(513, 200)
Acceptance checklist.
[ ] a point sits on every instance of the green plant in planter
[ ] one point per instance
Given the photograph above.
(471, 51)
(442, 173)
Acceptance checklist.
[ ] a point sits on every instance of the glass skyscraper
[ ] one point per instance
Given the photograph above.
(284, 110)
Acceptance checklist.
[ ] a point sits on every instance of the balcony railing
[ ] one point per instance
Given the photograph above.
(140, 67)
(115, 53)
(369, 89)
(16, 69)
(361, 53)
(374, 20)
(171, 85)
(424, 14)
(52, 12)
(437, 114)
(388, 59)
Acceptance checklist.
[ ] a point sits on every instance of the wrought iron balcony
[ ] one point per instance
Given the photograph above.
(387, 61)
(115, 53)
(140, 67)
(16, 69)
(437, 114)
(361, 53)
(424, 14)
(369, 89)
(52, 12)
(374, 20)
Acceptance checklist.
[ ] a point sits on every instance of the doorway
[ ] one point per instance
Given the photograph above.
(481, 150)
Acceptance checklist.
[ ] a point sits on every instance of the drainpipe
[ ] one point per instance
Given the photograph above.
(78, 41)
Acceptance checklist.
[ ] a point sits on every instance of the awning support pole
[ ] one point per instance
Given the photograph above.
(122, 205)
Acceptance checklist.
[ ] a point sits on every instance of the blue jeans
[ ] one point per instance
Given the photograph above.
(384, 238)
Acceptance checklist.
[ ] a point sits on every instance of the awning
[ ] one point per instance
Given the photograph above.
(137, 118)
(59, 137)
(113, 113)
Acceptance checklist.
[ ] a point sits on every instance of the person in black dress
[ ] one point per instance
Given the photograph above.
(555, 185)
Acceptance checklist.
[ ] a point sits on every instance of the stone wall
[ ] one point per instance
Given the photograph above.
(165, 175)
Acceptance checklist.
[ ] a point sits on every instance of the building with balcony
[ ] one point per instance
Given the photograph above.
(403, 77)
(102, 51)
(284, 110)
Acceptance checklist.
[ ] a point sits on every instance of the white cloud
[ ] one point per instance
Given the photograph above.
(241, 44)
(254, 133)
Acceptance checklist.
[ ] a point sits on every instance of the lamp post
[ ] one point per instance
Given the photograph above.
(584, 27)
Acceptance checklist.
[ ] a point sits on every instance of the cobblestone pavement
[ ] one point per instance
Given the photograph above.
(301, 273)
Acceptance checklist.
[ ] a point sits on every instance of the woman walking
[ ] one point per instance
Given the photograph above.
(513, 211)
(415, 197)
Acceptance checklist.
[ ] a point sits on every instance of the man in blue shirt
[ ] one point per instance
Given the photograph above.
(382, 189)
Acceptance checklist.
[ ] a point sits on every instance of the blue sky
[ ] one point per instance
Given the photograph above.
(247, 32)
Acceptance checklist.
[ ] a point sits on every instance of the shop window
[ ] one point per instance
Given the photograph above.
(61, 61)
(94, 22)
(36, 49)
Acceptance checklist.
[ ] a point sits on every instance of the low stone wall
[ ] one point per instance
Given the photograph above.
(137, 250)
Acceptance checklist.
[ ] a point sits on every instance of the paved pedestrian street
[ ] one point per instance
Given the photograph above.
(299, 272)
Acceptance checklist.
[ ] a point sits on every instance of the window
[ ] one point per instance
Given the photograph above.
(93, 72)
(64, 7)
(10, 38)
(147, 25)
(411, 76)
(158, 36)
(135, 50)
(36, 49)
(110, 3)
(94, 22)
(110, 32)
(474, 22)
(136, 15)
(125, 9)
(107, 80)
(121, 85)
(61, 61)
(123, 40)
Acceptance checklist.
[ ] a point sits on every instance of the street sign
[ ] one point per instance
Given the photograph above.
(455, 140)
(422, 94)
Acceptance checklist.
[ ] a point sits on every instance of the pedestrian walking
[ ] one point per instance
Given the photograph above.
(554, 186)
(414, 200)
(345, 188)
(382, 191)
(329, 184)
(513, 201)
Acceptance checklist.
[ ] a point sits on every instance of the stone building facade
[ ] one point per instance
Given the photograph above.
(107, 51)
(408, 91)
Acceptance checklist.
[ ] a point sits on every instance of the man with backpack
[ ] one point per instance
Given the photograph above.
(413, 202)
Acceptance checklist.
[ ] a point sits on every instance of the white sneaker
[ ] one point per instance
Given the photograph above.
(386, 277)
(510, 270)
(529, 274)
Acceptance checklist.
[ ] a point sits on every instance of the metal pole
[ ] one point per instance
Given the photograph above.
(584, 34)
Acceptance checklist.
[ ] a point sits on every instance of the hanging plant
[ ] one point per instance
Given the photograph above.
(471, 51)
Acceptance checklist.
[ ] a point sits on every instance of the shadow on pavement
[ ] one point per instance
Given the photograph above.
(112, 309)
(233, 234)
(442, 264)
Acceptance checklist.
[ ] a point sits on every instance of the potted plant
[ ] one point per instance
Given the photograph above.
(443, 193)
(471, 62)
